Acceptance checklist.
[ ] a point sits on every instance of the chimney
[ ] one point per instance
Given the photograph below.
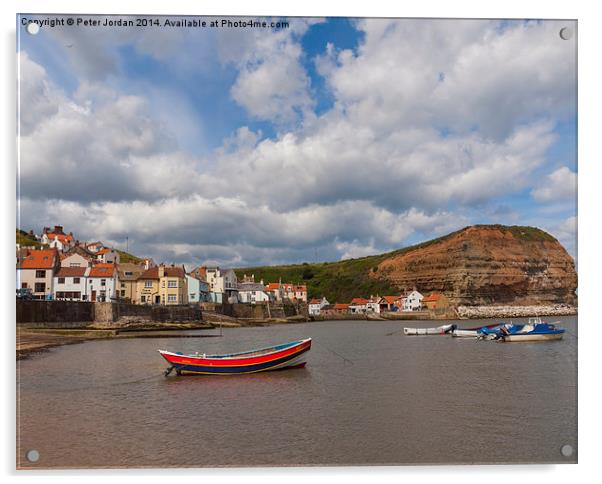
(58, 229)
(161, 271)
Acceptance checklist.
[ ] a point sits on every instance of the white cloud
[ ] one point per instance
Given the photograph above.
(272, 83)
(558, 185)
(428, 118)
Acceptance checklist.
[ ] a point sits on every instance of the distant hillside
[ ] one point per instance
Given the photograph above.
(479, 264)
(26, 240)
(127, 257)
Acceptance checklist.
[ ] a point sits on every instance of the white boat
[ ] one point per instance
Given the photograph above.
(428, 331)
(465, 333)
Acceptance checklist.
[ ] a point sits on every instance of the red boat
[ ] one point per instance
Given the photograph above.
(287, 355)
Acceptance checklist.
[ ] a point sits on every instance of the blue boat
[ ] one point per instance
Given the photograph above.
(534, 330)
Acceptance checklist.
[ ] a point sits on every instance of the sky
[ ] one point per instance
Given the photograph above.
(330, 139)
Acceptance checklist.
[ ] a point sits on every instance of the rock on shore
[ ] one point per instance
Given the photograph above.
(503, 312)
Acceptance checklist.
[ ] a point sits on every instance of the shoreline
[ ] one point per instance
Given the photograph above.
(32, 340)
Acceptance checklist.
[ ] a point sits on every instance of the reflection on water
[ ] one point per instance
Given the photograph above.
(369, 395)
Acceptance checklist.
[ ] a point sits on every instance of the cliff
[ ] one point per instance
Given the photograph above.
(487, 264)
(478, 265)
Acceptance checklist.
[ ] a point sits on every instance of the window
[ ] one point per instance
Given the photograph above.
(172, 298)
(40, 287)
(103, 282)
(123, 284)
(61, 280)
(148, 284)
(23, 285)
(123, 293)
(40, 274)
(172, 283)
(162, 283)
(142, 298)
(74, 264)
(128, 273)
(76, 280)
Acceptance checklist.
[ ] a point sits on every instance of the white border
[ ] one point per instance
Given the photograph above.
(589, 220)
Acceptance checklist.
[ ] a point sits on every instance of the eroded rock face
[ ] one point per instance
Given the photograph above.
(488, 264)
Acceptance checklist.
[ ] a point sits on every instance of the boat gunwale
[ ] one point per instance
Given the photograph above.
(261, 352)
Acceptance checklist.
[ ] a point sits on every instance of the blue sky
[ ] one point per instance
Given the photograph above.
(341, 137)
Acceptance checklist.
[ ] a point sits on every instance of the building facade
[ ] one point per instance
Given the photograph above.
(102, 283)
(35, 271)
(71, 283)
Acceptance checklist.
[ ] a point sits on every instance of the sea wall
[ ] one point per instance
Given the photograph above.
(73, 314)
(483, 312)
(257, 311)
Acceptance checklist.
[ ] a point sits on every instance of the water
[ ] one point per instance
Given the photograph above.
(366, 397)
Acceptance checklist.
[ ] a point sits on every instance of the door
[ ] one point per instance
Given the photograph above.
(157, 299)
(93, 298)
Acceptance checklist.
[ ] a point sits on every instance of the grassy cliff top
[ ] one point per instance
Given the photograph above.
(340, 281)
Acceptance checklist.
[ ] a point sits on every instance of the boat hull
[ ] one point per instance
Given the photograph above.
(513, 338)
(428, 331)
(464, 333)
(289, 357)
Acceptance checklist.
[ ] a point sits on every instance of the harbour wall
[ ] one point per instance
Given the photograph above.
(75, 314)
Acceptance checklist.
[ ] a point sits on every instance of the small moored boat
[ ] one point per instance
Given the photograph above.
(287, 355)
(446, 328)
(534, 330)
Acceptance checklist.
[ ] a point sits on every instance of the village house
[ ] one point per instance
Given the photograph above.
(75, 260)
(252, 293)
(223, 284)
(373, 304)
(173, 286)
(128, 274)
(358, 305)
(102, 282)
(287, 291)
(412, 301)
(390, 304)
(198, 289)
(316, 305)
(341, 308)
(435, 301)
(147, 287)
(71, 283)
(35, 271)
(56, 238)
(107, 256)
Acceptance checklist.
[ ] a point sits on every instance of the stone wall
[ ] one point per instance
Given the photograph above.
(73, 314)
(33, 311)
(257, 311)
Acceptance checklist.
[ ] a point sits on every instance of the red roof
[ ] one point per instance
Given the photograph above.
(434, 297)
(102, 270)
(359, 301)
(39, 259)
(341, 306)
(153, 272)
(273, 286)
(391, 299)
(315, 301)
(71, 272)
(104, 250)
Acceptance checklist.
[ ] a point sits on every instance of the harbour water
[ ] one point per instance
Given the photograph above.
(369, 395)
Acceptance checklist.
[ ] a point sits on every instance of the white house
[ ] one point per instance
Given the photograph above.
(71, 283)
(102, 282)
(412, 301)
(252, 293)
(358, 305)
(315, 305)
(223, 284)
(57, 239)
(373, 305)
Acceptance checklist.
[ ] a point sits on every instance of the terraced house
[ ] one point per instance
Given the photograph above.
(35, 271)
(162, 285)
